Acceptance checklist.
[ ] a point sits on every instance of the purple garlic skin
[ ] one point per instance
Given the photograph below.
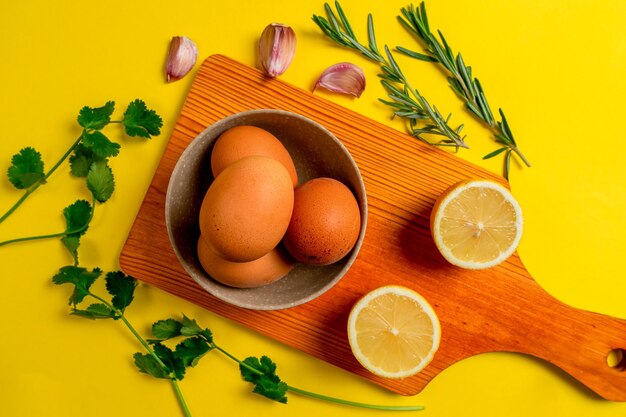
(181, 58)
(343, 78)
(277, 46)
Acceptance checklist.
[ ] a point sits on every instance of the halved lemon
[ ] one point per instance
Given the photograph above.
(393, 332)
(476, 224)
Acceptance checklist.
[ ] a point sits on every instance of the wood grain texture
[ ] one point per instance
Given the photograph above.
(499, 309)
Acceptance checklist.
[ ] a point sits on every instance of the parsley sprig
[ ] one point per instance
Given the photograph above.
(423, 119)
(463, 83)
(89, 158)
(163, 362)
(121, 288)
(259, 371)
(88, 155)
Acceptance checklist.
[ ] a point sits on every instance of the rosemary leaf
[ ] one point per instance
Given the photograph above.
(494, 153)
(416, 55)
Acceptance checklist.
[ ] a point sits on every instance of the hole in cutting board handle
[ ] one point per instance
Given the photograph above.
(616, 359)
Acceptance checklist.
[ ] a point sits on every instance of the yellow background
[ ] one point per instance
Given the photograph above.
(557, 67)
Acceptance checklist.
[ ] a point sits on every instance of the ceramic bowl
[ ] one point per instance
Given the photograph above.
(316, 153)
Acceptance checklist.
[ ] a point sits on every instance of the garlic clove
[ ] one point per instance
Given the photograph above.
(181, 58)
(343, 78)
(277, 46)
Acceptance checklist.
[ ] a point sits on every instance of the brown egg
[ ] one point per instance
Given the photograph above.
(241, 141)
(247, 209)
(325, 223)
(268, 268)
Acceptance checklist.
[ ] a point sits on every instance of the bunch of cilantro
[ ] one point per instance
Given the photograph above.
(89, 158)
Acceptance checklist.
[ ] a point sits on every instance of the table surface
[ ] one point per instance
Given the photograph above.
(555, 67)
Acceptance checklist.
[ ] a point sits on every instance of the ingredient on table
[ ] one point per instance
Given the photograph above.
(181, 58)
(325, 223)
(241, 141)
(343, 78)
(476, 224)
(262, 271)
(89, 158)
(424, 121)
(393, 332)
(467, 87)
(277, 46)
(461, 80)
(246, 210)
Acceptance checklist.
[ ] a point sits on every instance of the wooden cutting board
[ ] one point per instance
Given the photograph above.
(498, 309)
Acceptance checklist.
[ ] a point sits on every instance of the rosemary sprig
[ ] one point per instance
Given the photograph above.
(407, 102)
(461, 80)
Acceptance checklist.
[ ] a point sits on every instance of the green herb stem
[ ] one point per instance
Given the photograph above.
(180, 397)
(465, 85)
(52, 235)
(120, 314)
(355, 404)
(325, 397)
(40, 237)
(36, 185)
(179, 394)
(236, 360)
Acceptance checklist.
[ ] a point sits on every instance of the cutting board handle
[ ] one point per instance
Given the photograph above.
(589, 346)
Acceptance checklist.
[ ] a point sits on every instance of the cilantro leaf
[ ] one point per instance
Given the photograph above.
(141, 121)
(81, 160)
(71, 243)
(95, 311)
(26, 168)
(191, 350)
(100, 181)
(166, 329)
(96, 117)
(148, 365)
(174, 364)
(77, 215)
(266, 382)
(100, 144)
(121, 287)
(190, 327)
(81, 278)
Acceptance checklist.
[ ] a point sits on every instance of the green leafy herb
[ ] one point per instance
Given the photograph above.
(423, 119)
(26, 168)
(88, 155)
(192, 349)
(166, 329)
(100, 145)
(260, 372)
(461, 80)
(141, 121)
(77, 217)
(96, 118)
(148, 364)
(163, 362)
(100, 181)
(122, 288)
(81, 160)
(159, 361)
(265, 380)
(81, 278)
(96, 311)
